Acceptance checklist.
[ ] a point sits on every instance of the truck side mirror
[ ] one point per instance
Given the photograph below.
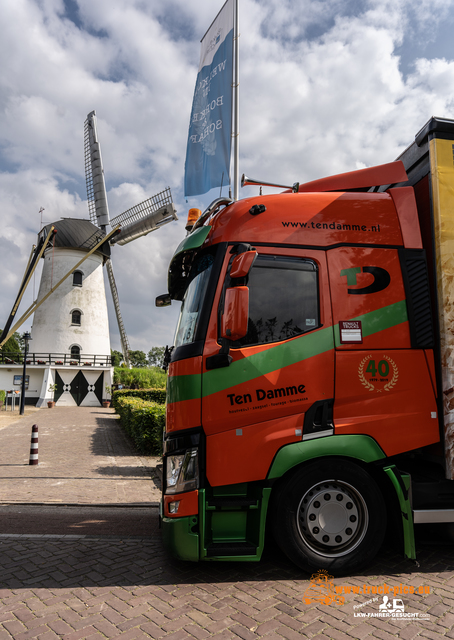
(236, 313)
(242, 264)
(163, 300)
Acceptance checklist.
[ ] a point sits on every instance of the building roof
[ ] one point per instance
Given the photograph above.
(78, 234)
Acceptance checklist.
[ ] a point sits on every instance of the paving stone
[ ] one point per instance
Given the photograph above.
(196, 631)
(84, 457)
(99, 585)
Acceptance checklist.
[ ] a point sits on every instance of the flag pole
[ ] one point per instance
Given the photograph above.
(236, 106)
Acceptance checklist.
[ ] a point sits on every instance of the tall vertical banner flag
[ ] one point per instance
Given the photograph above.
(210, 129)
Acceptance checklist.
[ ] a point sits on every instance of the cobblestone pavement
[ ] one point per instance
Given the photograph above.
(7, 416)
(84, 457)
(63, 574)
(114, 587)
(78, 520)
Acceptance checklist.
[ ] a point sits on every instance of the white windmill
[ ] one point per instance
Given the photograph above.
(70, 347)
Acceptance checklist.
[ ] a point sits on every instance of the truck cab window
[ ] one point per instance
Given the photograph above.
(193, 300)
(283, 300)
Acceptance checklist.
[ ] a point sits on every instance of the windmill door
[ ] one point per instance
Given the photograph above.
(79, 388)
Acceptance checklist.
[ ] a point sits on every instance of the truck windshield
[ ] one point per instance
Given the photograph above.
(193, 300)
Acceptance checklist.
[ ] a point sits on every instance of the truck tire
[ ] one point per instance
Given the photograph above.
(329, 515)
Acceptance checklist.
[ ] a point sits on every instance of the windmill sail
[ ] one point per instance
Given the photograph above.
(94, 174)
(145, 217)
(113, 287)
(35, 255)
(135, 222)
(99, 209)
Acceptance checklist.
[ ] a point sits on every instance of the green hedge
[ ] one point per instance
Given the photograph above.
(150, 395)
(143, 421)
(140, 378)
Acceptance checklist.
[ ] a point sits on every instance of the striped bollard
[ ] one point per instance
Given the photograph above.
(34, 446)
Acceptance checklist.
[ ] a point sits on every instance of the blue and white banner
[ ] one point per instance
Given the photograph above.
(209, 140)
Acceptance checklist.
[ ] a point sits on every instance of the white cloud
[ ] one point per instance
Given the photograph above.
(322, 91)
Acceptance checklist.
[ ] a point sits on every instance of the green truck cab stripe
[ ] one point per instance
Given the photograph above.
(349, 446)
(379, 320)
(193, 240)
(272, 359)
(181, 388)
(189, 387)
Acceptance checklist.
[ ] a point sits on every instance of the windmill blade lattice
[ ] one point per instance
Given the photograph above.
(98, 208)
(145, 217)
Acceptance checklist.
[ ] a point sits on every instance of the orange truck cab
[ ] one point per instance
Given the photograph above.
(305, 391)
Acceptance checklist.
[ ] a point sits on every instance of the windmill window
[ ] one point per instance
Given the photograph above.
(75, 351)
(76, 316)
(77, 278)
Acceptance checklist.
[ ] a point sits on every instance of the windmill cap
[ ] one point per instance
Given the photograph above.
(75, 233)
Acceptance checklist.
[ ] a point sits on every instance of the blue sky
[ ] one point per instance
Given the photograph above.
(326, 86)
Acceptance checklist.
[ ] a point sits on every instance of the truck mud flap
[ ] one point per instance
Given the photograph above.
(401, 482)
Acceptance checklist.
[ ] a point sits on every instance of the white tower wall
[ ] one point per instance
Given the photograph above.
(53, 330)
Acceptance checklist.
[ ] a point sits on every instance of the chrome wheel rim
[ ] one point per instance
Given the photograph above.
(332, 518)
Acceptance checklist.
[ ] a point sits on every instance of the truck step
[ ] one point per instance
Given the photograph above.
(241, 548)
(421, 516)
(231, 501)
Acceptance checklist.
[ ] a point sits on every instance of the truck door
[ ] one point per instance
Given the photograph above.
(383, 385)
(281, 372)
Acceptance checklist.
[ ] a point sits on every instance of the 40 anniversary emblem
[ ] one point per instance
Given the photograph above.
(381, 375)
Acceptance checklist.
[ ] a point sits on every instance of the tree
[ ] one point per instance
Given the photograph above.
(12, 345)
(138, 359)
(19, 337)
(117, 357)
(156, 356)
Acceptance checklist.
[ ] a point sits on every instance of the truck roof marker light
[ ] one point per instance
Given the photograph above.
(256, 209)
(193, 216)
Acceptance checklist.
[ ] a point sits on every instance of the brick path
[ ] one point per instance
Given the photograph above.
(84, 457)
(125, 586)
(78, 520)
(128, 588)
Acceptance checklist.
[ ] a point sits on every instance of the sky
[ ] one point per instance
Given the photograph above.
(326, 86)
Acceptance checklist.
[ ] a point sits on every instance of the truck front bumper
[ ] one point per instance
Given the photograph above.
(181, 538)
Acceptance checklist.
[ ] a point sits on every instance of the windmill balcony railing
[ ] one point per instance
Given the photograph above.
(55, 359)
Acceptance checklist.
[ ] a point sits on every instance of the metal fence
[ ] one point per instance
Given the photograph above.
(57, 359)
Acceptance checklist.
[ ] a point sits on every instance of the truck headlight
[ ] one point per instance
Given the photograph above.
(182, 472)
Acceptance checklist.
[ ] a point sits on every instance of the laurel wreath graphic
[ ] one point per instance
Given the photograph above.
(362, 377)
(389, 385)
(395, 377)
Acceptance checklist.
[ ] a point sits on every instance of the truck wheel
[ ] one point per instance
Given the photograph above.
(329, 516)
